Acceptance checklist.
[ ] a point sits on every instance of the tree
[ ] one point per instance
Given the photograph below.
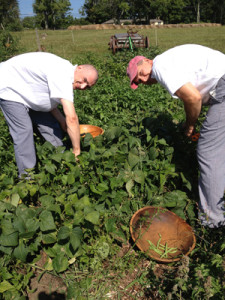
(29, 22)
(170, 11)
(51, 13)
(9, 14)
(99, 11)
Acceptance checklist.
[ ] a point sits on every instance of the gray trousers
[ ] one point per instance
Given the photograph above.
(20, 120)
(211, 159)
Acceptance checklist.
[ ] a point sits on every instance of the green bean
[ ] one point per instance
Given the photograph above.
(162, 250)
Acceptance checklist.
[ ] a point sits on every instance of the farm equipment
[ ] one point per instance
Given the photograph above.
(129, 40)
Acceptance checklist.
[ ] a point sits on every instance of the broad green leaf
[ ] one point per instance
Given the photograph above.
(15, 199)
(19, 224)
(57, 157)
(60, 263)
(162, 142)
(94, 190)
(73, 198)
(75, 237)
(54, 207)
(178, 196)
(87, 140)
(63, 233)
(110, 225)
(5, 286)
(22, 190)
(69, 156)
(132, 141)
(82, 203)
(69, 209)
(186, 182)
(64, 179)
(42, 178)
(49, 238)
(169, 150)
(112, 133)
(21, 252)
(101, 187)
(78, 217)
(70, 179)
(139, 176)
(32, 224)
(46, 221)
(76, 172)
(129, 186)
(48, 264)
(93, 217)
(133, 159)
(116, 182)
(46, 200)
(50, 168)
(153, 153)
(33, 190)
(179, 212)
(10, 240)
(6, 250)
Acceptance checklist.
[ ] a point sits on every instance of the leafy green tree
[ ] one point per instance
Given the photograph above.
(29, 22)
(51, 13)
(8, 45)
(175, 10)
(9, 15)
(99, 11)
(96, 11)
(170, 11)
(213, 11)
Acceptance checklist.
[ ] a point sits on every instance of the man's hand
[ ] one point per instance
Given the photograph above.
(188, 130)
(76, 152)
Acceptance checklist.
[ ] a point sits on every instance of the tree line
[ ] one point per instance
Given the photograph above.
(56, 14)
(170, 11)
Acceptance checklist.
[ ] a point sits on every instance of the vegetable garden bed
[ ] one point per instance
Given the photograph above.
(78, 213)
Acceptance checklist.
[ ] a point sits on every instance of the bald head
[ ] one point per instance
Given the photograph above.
(85, 76)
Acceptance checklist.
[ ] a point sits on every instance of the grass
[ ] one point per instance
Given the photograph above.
(74, 43)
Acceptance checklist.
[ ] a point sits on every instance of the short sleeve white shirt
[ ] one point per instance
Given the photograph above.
(195, 64)
(38, 80)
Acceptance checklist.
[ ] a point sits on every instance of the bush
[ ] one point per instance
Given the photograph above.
(8, 45)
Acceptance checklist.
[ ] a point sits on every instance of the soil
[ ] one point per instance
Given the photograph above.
(49, 287)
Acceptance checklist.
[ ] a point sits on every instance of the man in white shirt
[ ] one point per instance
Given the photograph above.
(32, 85)
(196, 75)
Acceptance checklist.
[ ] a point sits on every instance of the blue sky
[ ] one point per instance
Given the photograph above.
(26, 9)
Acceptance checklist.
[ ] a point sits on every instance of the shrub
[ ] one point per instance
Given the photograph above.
(8, 45)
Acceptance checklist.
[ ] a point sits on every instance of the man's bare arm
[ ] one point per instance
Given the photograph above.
(192, 104)
(72, 123)
(59, 117)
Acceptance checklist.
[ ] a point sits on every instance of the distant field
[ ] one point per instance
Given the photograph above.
(73, 43)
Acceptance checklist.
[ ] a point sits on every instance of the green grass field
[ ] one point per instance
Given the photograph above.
(73, 43)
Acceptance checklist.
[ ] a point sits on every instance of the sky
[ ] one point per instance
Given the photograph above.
(26, 9)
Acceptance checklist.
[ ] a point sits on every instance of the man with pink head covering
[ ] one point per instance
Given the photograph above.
(196, 75)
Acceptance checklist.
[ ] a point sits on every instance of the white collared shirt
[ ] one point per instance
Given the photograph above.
(37, 79)
(195, 64)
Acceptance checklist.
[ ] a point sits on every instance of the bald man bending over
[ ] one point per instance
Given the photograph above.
(32, 85)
